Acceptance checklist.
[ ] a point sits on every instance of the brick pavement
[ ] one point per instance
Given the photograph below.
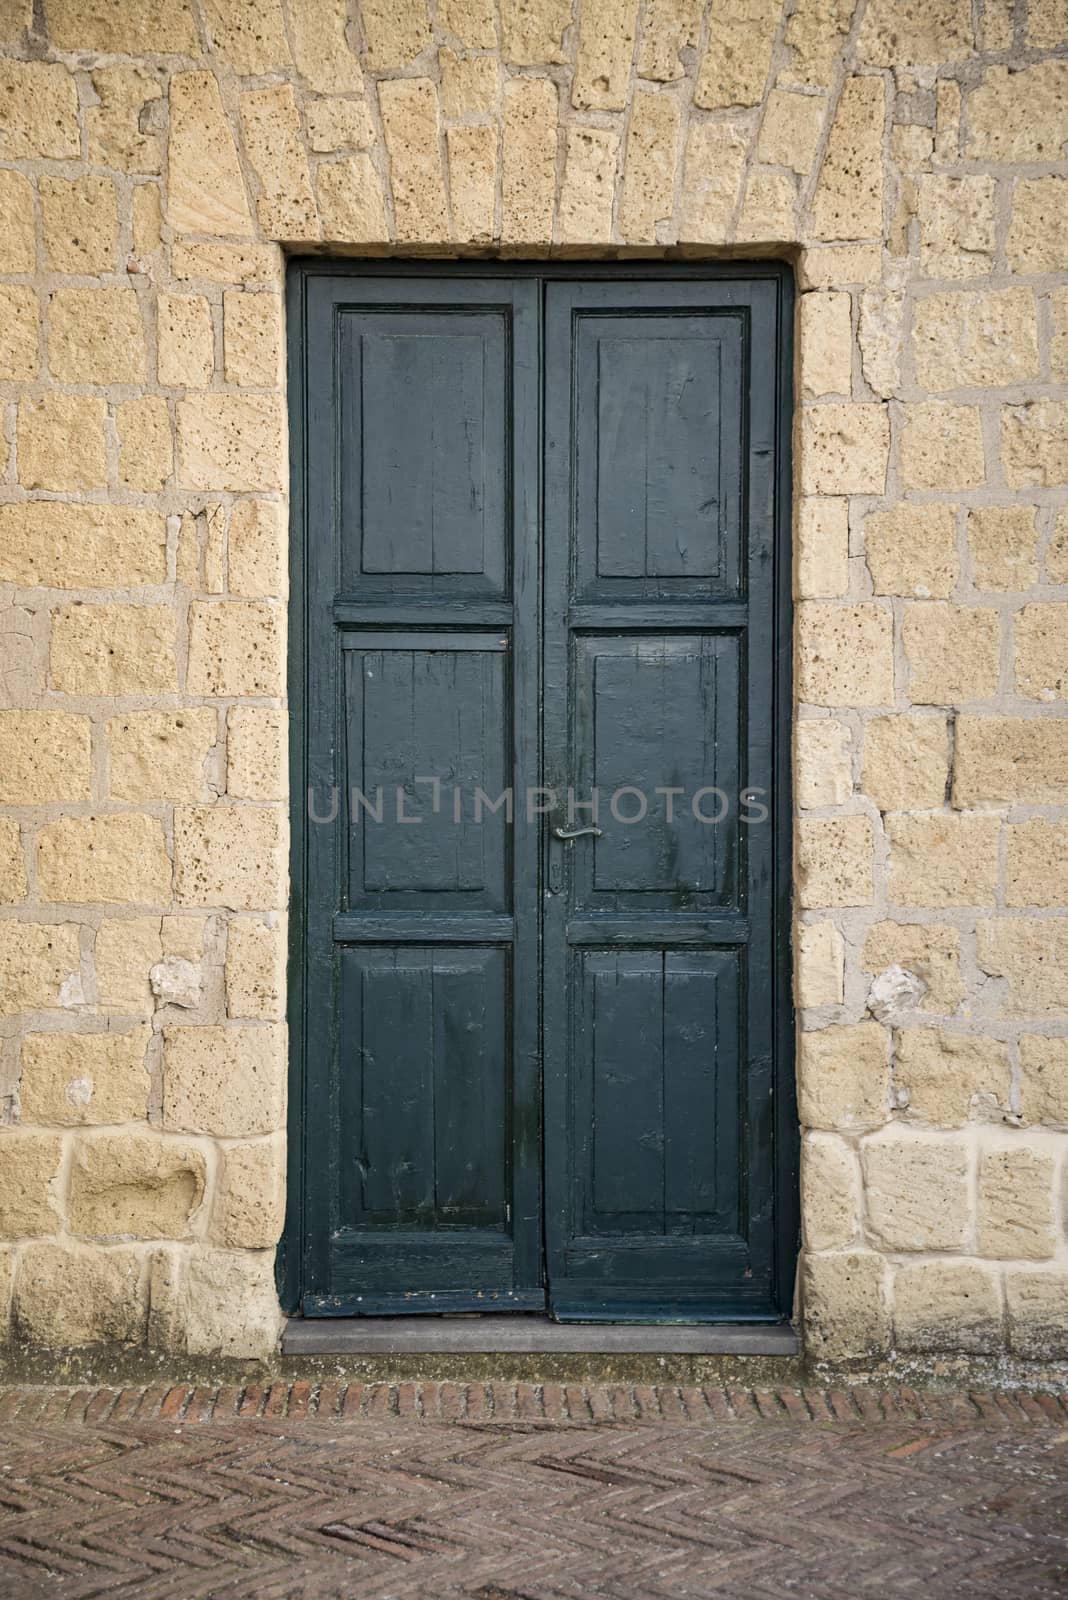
(507, 1491)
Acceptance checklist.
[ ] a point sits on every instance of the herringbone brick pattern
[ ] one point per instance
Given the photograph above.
(529, 1492)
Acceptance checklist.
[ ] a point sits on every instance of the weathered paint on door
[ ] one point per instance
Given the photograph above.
(539, 552)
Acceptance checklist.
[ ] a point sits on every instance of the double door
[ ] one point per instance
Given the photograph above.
(540, 1020)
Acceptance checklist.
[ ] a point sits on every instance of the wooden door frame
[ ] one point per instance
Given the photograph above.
(785, 1128)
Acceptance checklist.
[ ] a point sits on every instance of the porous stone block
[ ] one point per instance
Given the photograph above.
(111, 859)
(61, 442)
(844, 447)
(185, 335)
(587, 189)
(823, 773)
(1034, 443)
(321, 49)
(897, 33)
(38, 110)
(114, 123)
(826, 344)
(146, 453)
(206, 191)
(79, 1078)
(96, 336)
(830, 1192)
(248, 34)
(528, 154)
(906, 762)
(338, 125)
(943, 860)
(1015, 1206)
(912, 550)
(113, 649)
(649, 167)
(230, 856)
(137, 27)
(44, 757)
(18, 241)
(258, 545)
(1000, 759)
(472, 181)
(1041, 633)
(227, 1081)
(848, 200)
(941, 447)
(916, 1190)
(13, 882)
(965, 339)
(256, 753)
(1044, 1079)
(252, 338)
(39, 963)
(1032, 956)
(61, 546)
(29, 1167)
(68, 1297)
(605, 51)
(947, 1306)
(711, 181)
(351, 202)
(953, 652)
(844, 1077)
(1037, 1304)
(160, 755)
(255, 970)
(845, 655)
(230, 1303)
(231, 441)
(957, 225)
(834, 862)
(286, 206)
(250, 1199)
(846, 1304)
(790, 130)
(1018, 115)
(952, 1078)
(820, 965)
(124, 952)
(410, 119)
(1036, 863)
(235, 648)
(1002, 542)
(134, 1185)
(1038, 234)
(79, 224)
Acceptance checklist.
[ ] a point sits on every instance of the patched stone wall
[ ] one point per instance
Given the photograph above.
(154, 155)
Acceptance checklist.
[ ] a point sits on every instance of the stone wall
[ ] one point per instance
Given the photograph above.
(153, 156)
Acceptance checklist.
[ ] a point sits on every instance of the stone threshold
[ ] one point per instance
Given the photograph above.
(521, 1333)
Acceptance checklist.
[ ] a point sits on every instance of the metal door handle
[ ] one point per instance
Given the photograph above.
(576, 833)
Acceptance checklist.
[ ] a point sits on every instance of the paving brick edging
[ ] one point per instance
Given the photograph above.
(525, 1403)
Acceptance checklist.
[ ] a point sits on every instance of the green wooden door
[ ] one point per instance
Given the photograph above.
(540, 1022)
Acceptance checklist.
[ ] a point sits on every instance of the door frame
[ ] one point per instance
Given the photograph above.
(785, 1130)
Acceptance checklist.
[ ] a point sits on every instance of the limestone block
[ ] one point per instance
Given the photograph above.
(256, 754)
(848, 201)
(396, 31)
(1006, 759)
(320, 47)
(912, 550)
(957, 225)
(844, 1077)
(65, 1298)
(1018, 115)
(1036, 863)
(147, 219)
(605, 51)
(1044, 1079)
(114, 123)
(790, 130)
(410, 121)
(78, 1078)
(1002, 541)
(964, 338)
(906, 762)
(532, 31)
(134, 1185)
(124, 953)
(18, 243)
(339, 125)
(252, 338)
(1047, 26)
(228, 1081)
(79, 224)
(586, 194)
(1037, 1313)
(1058, 348)
(37, 962)
(96, 336)
(1032, 956)
(952, 1078)
(228, 264)
(1015, 1206)
(351, 203)
(61, 442)
(470, 85)
(235, 648)
(712, 177)
(830, 1196)
(185, 341)
(834, 862)
(736, 60)
(998, 25)
(232, 856)
(257, 549)
(248, 34)
(44, 757)
(768, 209)
(231, 441)
(944, 860)
(1042, 651)
(146, 455)
(113, 649)
(137, 27)
(286, 206)
(896, 33)
(844, 448)
(820, 965)
(832, 266)
(941, 447)
(823, 772)
(826, 344)
(879, 334)
(947, 1305)
(916, 1190)
(105, 859)
(472, 156)
(29, 1166)
(846, 1304)
(649, 167)
(160, 755)
(13, 883)
(953, 652)
(206, 192)
(255, 970)
(845, 655)
(230, 1300)
(250, 1201)
(822, 548)
(19, 322)
(931, 950)
(1038, 236)
(38, 110)
(1034, 443)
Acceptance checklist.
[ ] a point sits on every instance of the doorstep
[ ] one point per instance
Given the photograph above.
(523, 1334)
